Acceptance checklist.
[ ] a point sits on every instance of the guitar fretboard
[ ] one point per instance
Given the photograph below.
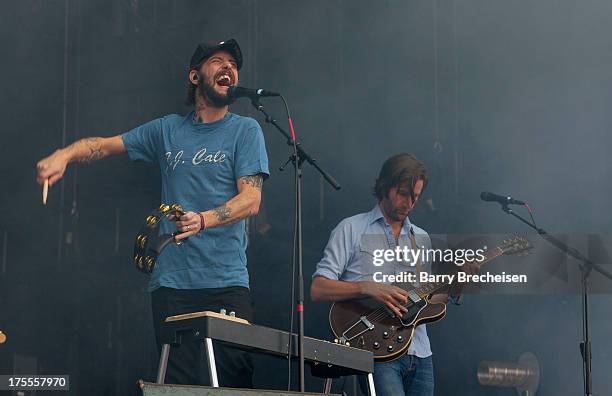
(431, 287)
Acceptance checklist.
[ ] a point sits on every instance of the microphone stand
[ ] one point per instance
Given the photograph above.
(297, 158)
(586, 267)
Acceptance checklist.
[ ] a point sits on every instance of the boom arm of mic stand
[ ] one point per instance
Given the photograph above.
(586, 262)
(302, 154)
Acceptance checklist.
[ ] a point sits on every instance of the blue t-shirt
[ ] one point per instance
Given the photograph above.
(199, 166)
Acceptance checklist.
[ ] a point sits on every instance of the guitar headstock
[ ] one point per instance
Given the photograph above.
(515, 245)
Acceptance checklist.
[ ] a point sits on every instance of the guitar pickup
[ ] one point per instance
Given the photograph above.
(388, 311)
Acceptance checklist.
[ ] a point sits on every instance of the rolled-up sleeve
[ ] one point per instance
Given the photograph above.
(337, 253)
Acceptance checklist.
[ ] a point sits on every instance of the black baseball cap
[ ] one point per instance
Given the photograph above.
(206, 49)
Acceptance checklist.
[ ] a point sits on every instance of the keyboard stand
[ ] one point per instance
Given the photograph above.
(205, 323)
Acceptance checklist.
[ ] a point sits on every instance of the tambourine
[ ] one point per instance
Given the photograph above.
(149, 245)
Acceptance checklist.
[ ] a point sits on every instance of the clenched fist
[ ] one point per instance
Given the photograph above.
(187, 225)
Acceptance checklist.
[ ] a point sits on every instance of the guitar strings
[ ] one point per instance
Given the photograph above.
(382, 311)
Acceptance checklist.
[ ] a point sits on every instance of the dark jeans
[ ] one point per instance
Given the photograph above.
(187, 364)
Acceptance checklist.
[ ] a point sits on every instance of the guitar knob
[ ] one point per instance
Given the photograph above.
(376, 345)
(223, 311)
(385, 335)
(400, 339)
(390, 348)
(232, 313)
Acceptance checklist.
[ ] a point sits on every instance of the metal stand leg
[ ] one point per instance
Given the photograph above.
(371, 385)
(212, 367)
(163, 363)
(327, 386)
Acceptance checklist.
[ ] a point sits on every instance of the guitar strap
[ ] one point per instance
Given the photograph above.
(415, 248)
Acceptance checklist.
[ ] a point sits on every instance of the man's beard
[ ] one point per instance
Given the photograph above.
(392, 213)
(208, 93)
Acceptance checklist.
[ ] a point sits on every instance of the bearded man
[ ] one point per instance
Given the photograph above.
(213, 163)
(347, 272)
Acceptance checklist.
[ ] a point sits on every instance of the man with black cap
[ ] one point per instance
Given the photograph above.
(213, 163)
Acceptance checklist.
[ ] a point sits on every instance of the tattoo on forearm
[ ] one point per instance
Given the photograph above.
(95, 150)
(223, 213)
(255, 181)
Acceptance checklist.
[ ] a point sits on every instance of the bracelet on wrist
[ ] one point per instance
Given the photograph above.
(202, 223)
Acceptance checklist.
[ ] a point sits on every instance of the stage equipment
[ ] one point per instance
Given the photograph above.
(523, 375)
(586, 266)
(235, 92)
(149, 389)
(297, 158)
(149, 245)
(504, 200)
(370, 325)
(327, 359)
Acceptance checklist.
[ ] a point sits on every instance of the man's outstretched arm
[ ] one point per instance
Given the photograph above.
(82, 151)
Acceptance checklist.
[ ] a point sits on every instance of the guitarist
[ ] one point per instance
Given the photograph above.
(213, 163)
(346, 270)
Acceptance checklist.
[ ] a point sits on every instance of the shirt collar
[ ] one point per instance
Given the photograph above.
(377, 215)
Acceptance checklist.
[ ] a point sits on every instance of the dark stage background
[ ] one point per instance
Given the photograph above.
(505, 96)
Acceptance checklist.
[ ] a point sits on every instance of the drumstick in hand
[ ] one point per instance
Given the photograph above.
(45, 191)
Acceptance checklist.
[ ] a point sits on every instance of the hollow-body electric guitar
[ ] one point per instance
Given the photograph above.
(368, 324)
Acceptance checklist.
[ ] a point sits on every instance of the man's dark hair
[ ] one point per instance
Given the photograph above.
(399, 169)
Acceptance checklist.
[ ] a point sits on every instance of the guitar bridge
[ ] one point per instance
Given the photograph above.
(362, 319)
(366, 322)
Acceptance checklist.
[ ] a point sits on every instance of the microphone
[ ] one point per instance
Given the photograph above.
(234, 92)
(487, 196)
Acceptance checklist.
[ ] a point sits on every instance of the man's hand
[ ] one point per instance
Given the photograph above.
(470, 268)
(51, 167)
(188, 225)
(392, 296)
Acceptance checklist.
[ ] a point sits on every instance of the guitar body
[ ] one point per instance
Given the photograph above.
(367, 325)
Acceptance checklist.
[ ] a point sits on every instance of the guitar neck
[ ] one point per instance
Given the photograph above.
(432, 287)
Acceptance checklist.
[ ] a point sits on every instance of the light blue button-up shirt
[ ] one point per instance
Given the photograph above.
(349, 256)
